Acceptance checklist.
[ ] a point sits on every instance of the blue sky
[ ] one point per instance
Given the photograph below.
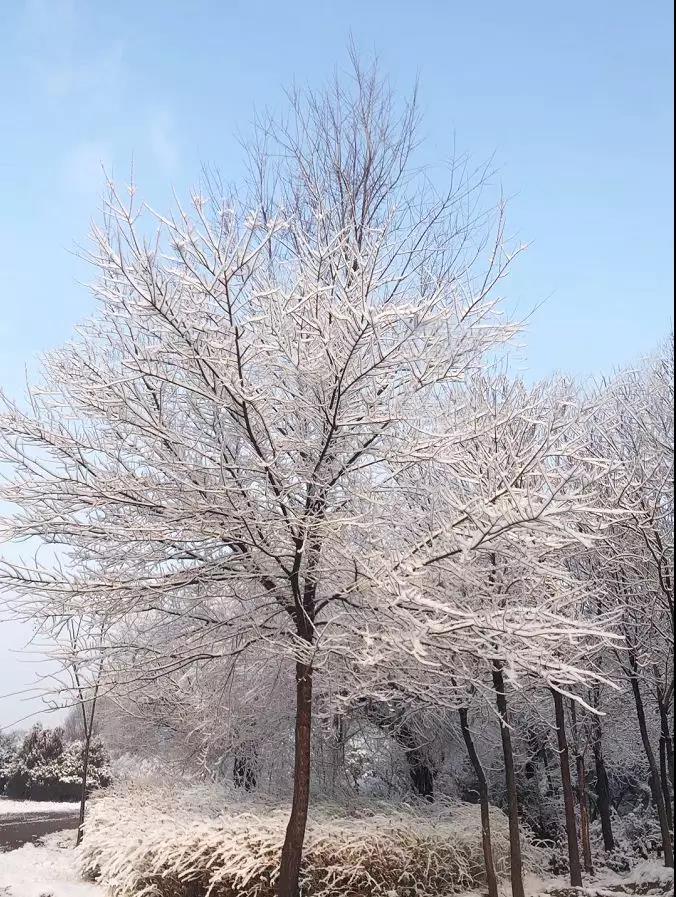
(573, 101)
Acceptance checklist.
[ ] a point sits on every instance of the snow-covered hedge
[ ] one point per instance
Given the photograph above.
(45, 768)
(137, 843)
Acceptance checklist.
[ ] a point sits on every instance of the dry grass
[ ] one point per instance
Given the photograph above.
(138, 844)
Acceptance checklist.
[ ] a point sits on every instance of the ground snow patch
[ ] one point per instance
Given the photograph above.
(44, 870)
(29, 807)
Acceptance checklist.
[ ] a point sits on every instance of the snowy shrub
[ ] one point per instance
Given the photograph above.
(637, 837)
(132, 767)
(136, 844)
(44, 769)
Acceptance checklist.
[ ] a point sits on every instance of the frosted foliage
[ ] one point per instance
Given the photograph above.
(153, 843)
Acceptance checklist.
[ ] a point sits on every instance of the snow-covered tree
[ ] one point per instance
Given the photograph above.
(217, 451)
(635, 424)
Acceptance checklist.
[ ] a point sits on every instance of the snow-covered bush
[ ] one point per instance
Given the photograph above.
(637, 837)
(147, 843)
(149, 770)
(43, 768)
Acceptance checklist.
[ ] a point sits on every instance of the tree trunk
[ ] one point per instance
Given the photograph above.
(656, 790)
(664, 783)
(603, 789)
(486, 841)
(582, 797)
(531, 772)
(516, 861)
(666, 760)
(292, 851)
(83, 792)
(584, 814)
(338, 749)
(568, 799)
(419, 769)
(665, 734)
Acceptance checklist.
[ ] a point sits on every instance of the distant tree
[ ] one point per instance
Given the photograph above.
(35, 763)
(9, 745)
(43, 768)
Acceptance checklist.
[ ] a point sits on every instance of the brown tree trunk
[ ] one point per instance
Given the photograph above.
(584, 814)
(421, 773)
(568, 799)
(665, 734)
(656, 790)
(83, 792)
(292, 851)
(486, 842)
(531, 772)
(664, 783)
(666, 759)
(582, 797)
(419, 769)
(338, 749)
(516, 862)
(602, 788)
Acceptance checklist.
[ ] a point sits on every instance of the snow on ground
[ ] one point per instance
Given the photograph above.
(27, 807)
(648, 873)
(649, 878)
(45, 870)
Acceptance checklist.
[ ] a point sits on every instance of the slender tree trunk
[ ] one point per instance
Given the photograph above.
(668, 741)
(83, 792)
(656, 790)
(582, 797)
(664, 783)
(87, 731)
(531, 771)
(665, 733)
(545, 765)
(516, 862)
(568, 799)
(603, 797)
(603, 789)
(292, 851)
(338, 749)
(666, 759)
(584, 814)
(486, 842)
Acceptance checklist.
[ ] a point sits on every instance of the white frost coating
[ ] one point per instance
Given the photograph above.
(133, 836)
